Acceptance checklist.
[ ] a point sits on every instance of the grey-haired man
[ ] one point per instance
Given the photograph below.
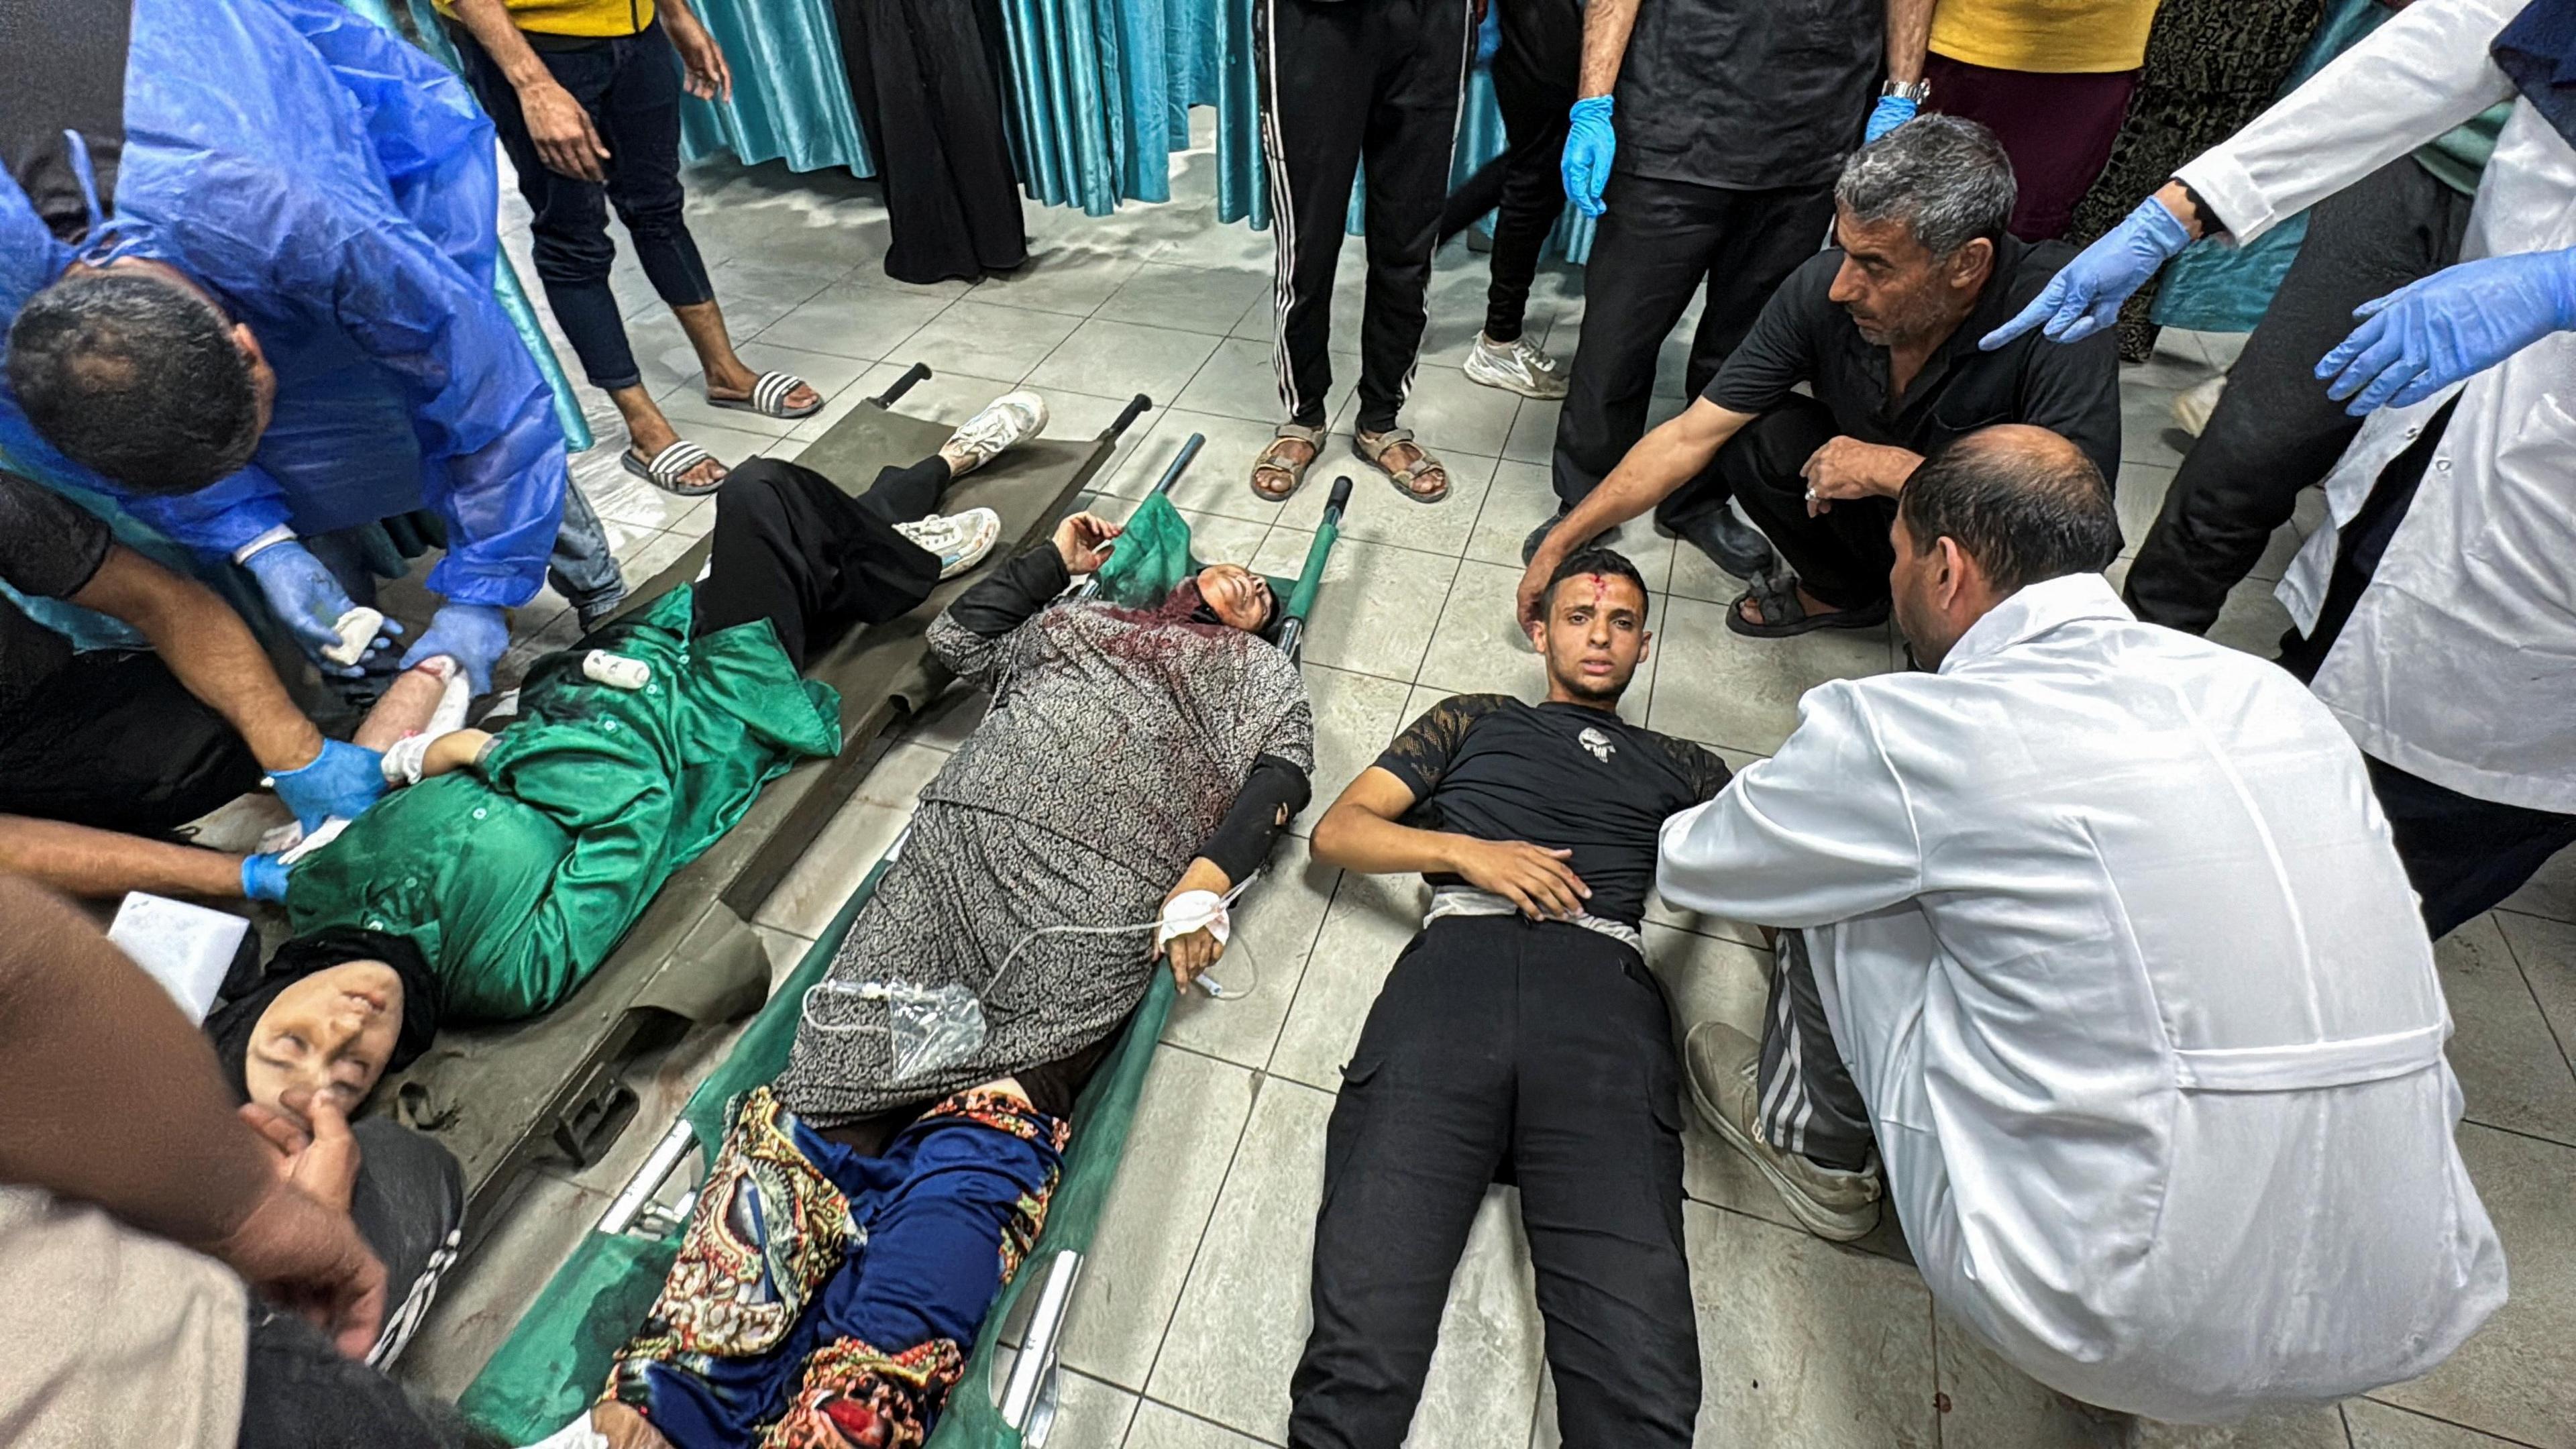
(1883, 329)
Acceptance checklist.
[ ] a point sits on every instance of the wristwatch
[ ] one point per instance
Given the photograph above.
(1916, 91)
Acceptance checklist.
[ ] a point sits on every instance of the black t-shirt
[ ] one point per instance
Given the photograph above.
(50, 547)
(1803, 335)
(1747, 94)
(1559, 776)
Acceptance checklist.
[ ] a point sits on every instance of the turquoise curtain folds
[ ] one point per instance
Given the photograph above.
(791, 99)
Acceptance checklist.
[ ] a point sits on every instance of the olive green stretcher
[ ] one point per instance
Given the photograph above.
(503, 1098)
(557, 1359)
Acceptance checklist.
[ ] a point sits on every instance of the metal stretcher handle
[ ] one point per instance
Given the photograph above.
(1136, 407)
(918, 372)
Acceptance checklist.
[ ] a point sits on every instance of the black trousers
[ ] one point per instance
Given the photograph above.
(2275, 432)
(2462, 854)
(1340, 83)
(1808, 1103)
(926, 79)
(409, 1204)
(113, 740)
(1506, 1049)
(299, 1393)
(1841, 555)
(630, 85)
(1658, 242)
(792, 548)
(1535, 72)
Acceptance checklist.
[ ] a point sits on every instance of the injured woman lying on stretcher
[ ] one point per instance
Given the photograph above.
(863, 1212)
(524, 852)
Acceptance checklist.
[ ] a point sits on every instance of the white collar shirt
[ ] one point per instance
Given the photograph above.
(2113, 939)
(2459, 661)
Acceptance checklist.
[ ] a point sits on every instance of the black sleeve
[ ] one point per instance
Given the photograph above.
(1271, 797)
(49, 545)
(1707, 771)
(1780, 351)
(1011, 594)
(1421, 755)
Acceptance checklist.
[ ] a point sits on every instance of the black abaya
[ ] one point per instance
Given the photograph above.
(926, 78)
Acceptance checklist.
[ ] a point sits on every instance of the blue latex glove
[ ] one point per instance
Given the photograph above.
(1590, 145)
(2085, 296)
(263, 878)
(2457, 322)
(472, 634)
(1890, 113)
(343, 780)
(304, 596)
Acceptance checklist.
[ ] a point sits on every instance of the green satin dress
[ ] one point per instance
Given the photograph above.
(516, 878)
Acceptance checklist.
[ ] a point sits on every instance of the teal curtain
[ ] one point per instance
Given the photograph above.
(791, 99)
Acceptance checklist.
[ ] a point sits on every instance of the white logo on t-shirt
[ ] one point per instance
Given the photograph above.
(1598, 743)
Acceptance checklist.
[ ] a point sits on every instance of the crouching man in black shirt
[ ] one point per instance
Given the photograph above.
(1518, 1037)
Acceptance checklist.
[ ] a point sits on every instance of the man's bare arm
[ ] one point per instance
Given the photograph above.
(1361, 832)
(1606, 24)
(82, 861)
(1667, 457)
(211, 651)
(557, 125)
(1909, 38)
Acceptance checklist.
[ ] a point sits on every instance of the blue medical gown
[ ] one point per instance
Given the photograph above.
(335, 190)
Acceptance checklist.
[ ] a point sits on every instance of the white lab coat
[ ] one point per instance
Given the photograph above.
(2113, 939)
(2459, 663)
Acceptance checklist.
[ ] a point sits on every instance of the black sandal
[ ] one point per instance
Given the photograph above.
(1784, 614)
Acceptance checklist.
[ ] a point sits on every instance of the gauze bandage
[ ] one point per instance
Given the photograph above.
(1194, 911)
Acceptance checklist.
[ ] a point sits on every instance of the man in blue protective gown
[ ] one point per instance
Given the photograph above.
(246, 256)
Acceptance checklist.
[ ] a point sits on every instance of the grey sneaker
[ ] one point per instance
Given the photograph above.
(960, 539)
(1723, 1066)
(1516, 366)
(1014, 417)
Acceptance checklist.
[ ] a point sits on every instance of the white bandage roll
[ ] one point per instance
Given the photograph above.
(616, 670)
(1194, 911)
(357, 629)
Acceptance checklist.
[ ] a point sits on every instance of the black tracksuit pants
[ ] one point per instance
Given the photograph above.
(1657, 243)
(2275, 432)
(792, 548)
(1340, 82)
(1512, 1050)
(1535, 70)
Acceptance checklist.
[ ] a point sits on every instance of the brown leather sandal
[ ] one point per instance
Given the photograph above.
(1285, 474)
(1408, 480)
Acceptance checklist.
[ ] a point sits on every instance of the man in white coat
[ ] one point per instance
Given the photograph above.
(2436, 609)
(2097, 932)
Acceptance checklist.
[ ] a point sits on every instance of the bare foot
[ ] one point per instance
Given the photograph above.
(624, 1428)
(735, 386)
(1281, 467)
(651, 435)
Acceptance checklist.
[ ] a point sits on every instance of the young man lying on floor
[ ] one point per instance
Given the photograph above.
(521, 857)
(864, 1211)
(1518, 1034)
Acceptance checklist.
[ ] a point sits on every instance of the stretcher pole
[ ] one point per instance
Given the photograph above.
(1310, 579)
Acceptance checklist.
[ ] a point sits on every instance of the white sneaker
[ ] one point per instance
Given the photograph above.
(960, 539)
(1516, 366)
(2192, 407)
(1014, 417)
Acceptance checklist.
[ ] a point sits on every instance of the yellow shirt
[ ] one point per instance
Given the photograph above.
(572, 17)
(2049, 37)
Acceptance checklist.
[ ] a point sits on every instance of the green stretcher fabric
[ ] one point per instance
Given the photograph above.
(517, 878)
(1152, 556)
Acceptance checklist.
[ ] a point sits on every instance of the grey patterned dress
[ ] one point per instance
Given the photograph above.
(1116, 742)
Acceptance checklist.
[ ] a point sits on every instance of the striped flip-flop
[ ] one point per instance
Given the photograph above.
(769, 397)
(665, 469)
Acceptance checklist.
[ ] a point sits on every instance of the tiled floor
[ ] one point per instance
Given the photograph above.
(1192, 1309)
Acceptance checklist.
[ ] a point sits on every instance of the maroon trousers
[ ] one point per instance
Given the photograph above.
(2058, 129)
